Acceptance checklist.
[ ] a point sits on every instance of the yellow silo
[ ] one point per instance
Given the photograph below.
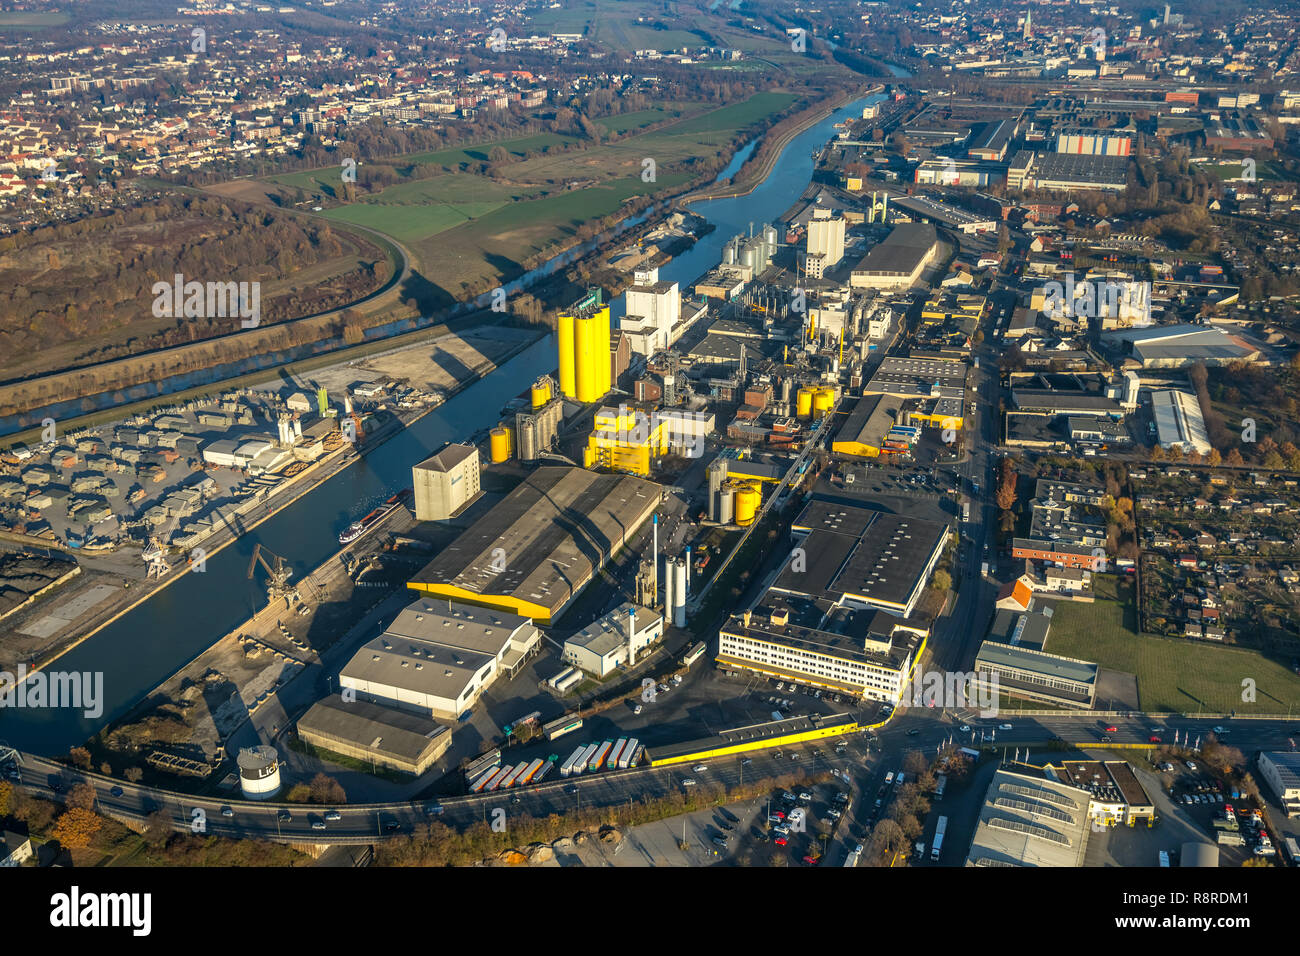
(822, 400)
(565, 339)
(803, 402)
(589, 378)
(499, 441)
(602, 351)
(541, 392)
(747, 501)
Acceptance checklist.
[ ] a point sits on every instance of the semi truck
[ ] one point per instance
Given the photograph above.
(529, 772)
(545, 769)
(495, 782)
(561, 726)
(483, 779)
(854, 855)
(940, 782)
(938, 839)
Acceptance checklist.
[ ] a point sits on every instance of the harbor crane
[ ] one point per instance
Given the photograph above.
(155, 551)
(278, 575)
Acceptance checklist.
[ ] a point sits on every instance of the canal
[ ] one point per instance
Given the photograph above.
(150, 643)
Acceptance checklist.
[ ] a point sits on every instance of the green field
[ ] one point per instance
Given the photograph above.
(425, 207)
(639, 120)
(20, 19)
(462, 226)
(1173, 674)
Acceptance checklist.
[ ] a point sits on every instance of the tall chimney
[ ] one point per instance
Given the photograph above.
(654, 577)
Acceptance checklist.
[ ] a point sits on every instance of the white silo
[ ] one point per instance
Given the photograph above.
(679, 592)
(259, 772)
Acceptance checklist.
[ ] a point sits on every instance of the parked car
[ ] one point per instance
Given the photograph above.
(688, 782)
(637, 709)
(1191, 765)
(720, 841)
(1004, 726)
(781, 841)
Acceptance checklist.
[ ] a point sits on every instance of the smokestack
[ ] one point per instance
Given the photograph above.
(688, 573)
(654, 577)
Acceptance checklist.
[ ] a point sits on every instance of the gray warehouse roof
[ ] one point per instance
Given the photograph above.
(397, 733)
(545, 539)
(901, 251)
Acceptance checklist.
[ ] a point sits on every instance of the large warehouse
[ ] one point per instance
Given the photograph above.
(899, 259)
(859, 557)
(437, 657)
(536, 550)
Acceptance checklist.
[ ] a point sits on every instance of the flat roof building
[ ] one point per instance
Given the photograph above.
(1037, 675)
(541, 545)
(1281, 769)
(856, 556)
(1030, 821)
(437, 657)
(1179, 421)
(899, 259)
(614, 640)
(1115, 794)
(399, 740)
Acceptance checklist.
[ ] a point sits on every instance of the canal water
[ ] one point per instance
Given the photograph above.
(147, 645)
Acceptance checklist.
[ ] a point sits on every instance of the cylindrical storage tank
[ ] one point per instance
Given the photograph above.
(259, 772)
(747, 258)
(526, 438)
(747, 502)
(769, 235)
(499, 443)
(822, 401)
(566, 339)
(785, 391)
(803, 402)
(726, 505)
(679, 592)
(588, 371)
(541, 392)
(603, 358)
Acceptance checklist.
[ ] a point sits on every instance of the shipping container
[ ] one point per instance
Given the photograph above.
(495, 783)
(616, 753)
(585, 760)
(629, 752)
(561, 726)
(512, 776)
(574, 761)
(483, 778)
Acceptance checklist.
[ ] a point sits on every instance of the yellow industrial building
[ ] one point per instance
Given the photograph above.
(625, 439)
(582, 338)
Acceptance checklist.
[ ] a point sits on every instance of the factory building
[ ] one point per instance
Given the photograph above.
(541, 544)
(1179, 422)
(899, 260)
(825, 242)
(445, 482)
(1093, 142)
(858, 557)
(437, 657)
(867, 426)
(396, 739)
(631, 439)
(615, 640)
(653, 313)
(583, 342)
